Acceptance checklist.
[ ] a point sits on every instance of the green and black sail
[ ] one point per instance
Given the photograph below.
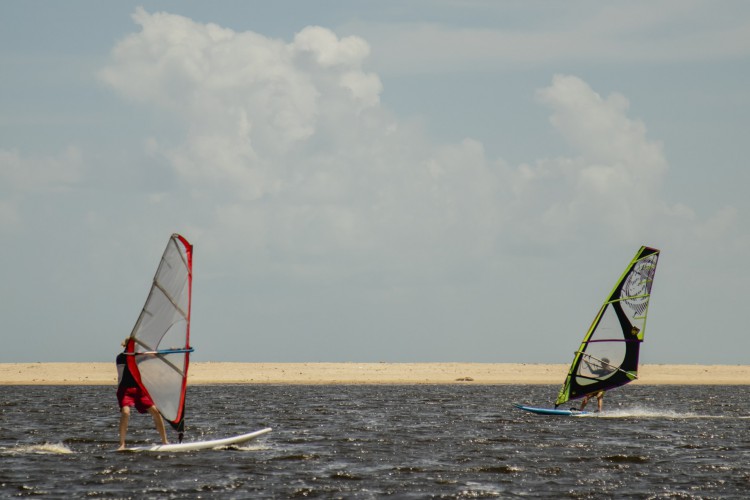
(608, 355)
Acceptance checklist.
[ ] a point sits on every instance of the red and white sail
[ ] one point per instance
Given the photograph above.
(160, 341)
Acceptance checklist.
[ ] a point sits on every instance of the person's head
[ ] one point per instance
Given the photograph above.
(124, 343)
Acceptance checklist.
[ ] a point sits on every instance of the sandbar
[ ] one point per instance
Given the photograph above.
(368, 373)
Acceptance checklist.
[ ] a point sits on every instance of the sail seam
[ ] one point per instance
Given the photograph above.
(170, 299)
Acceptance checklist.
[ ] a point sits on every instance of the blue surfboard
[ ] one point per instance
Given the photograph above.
(552, 411)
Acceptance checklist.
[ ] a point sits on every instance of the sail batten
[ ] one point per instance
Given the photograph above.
(160, 340)
(608, 355)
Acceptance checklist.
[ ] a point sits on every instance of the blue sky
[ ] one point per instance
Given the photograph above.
(374, 181)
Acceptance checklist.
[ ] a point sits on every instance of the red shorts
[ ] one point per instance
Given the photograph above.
(134, 396)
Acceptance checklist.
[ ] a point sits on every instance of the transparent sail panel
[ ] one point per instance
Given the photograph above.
(605, 351)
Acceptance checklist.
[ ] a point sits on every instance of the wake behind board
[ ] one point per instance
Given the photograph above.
(202, 445)
(551, 411)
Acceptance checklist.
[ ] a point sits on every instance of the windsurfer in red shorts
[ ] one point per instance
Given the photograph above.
(129, 393)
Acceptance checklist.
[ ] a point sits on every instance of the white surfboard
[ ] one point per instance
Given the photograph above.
(202, 445)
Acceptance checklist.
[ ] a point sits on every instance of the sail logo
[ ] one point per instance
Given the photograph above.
(637, 288)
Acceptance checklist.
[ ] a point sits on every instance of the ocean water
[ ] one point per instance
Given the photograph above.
(398, 441)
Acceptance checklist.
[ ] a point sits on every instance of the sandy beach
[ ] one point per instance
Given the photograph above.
(367, 373)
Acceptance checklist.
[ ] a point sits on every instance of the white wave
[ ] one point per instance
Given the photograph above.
(255, 447)
(40, 449)
(644, 412)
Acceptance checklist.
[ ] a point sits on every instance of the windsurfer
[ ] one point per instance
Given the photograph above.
(129, 393)
(598, 367)
(599, 400)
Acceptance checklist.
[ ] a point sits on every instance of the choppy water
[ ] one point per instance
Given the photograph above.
(459, 441)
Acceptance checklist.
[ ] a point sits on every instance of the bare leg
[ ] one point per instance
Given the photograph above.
(600, 401)
(124, 418)
(159, 424)
(584, 401)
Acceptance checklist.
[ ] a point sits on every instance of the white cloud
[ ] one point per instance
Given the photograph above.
(611, 186)
(342, 228)
(24, 177)
(288, 143)
(39, 173)
(245, 99)
(625, 32)
(292, 177)
(290, 153)
(327, 50)
(718, 227)
(9, 216)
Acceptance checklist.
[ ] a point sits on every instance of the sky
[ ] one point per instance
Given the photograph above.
(418, 181)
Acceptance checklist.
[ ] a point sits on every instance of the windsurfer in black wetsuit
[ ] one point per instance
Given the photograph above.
(129, 393)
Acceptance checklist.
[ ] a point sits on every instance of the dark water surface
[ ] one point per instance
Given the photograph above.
(458, 441)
